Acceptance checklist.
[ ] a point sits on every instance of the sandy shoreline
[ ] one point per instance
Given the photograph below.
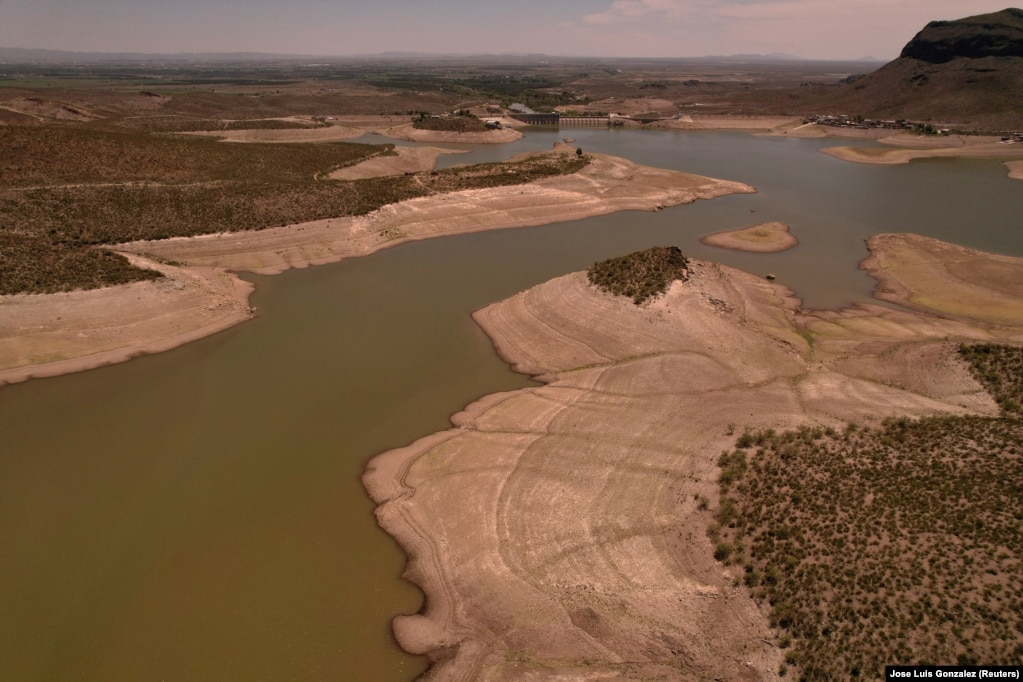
(763, 238)
(410, 134)
(934, 276)
(584, 553)
(760, 124)
(46, 335)
(901, 155)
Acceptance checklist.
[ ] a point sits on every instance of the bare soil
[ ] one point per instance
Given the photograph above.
(404, 160)
(407, 132)
(557, 531)
(336, 133)
(902, 155)
(928, 274)
(726, 122)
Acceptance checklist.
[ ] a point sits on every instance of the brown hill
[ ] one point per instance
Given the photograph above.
(967, 72)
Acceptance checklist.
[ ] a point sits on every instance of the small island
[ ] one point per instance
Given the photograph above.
(763, 238)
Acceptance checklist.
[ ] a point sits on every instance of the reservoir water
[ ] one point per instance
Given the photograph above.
(197, 514)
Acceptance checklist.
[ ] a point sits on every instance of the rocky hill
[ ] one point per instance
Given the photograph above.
(986, 35)
(967, 72)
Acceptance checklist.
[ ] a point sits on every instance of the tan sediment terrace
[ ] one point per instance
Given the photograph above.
(557, 531)
(411, 134)
(1015, 169)
(339, 129)
(334, 133)
(769, 237)
(43, 335)
(901, 155)
(773, 124)
(404, 160)
(932, 275)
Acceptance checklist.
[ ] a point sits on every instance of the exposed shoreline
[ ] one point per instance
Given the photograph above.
(404, 160)
(585, 551)
(758, 124)
(47, 335)
(408, 133)
(902, 155)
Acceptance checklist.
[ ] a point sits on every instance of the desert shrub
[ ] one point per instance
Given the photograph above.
(641, 275)
(179, 124)
(64, 192)
(43, 157)
(41, 267)
(999, 369)
(876, 546)
(462, 123)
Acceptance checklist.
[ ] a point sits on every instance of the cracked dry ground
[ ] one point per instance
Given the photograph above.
(556, 530)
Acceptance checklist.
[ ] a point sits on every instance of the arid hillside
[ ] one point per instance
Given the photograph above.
(967, 72)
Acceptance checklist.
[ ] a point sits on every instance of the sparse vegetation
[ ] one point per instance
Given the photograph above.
(51, 156)
(177, 124)
(1000, 370)
(463, 122)
(641, 275)
(69, 191)
(874, 546)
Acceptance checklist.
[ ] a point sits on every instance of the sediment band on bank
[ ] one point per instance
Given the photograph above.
(52, 334)
(557, 529)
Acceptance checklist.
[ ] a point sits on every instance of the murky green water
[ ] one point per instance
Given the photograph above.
(197, 515)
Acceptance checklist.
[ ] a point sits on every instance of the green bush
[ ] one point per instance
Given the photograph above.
(641, 275)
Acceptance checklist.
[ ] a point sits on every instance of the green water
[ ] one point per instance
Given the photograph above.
(197, 515)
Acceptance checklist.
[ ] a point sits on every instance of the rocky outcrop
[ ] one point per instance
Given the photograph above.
(987, 35)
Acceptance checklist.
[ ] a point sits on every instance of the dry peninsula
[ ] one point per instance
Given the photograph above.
(560, 532)
(198, 294)
(907, 148)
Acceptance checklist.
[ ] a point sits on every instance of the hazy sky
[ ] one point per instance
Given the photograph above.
(827, 29)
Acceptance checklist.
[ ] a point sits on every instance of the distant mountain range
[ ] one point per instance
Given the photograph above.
(968, 71)
(16, 55)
